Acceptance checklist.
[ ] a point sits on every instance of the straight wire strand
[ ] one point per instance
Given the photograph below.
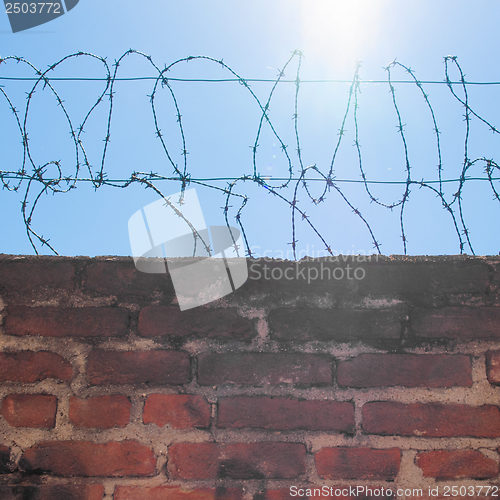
(265, 178)
(233, 80)
(293, 190)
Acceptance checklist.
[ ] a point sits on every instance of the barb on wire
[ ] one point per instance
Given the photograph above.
(294, 189)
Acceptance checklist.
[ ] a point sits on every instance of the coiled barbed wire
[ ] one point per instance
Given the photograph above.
(34, 180)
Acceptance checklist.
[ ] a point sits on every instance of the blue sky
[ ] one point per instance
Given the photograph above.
(255, 39)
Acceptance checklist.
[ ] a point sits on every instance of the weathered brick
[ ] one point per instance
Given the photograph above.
(4, 460)
(156, 321)
(358, 463)
(279, 494)
(119, 277)
(430, 419)
(409, 370)
(85, 458)
(493, 367)
(326, 311)
(65, 322)
(264, 368)
(24, 279)
(287, 281)
(457, 322)
(29, 366)
(456, 464)
(179, 411)
(138, 367)
(423, 279)
(419, 280)
(176, 493)
(264, 460)
(100, 412)
(53, 492)
(306, 324)
(30, 410)
(285, 414)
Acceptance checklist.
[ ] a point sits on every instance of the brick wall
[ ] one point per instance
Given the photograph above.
(388, 380)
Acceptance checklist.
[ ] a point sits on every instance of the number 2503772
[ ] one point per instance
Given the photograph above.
(33, 8)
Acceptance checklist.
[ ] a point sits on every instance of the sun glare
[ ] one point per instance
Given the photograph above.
(339, 30)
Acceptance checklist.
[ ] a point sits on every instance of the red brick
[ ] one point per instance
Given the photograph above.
(100, 412)
(493, 367)
(456, 464)
(29, 366)
(176, 493)
(358, 463)
(4, 460)
(430, 419)
(265, 460)
(84, 458)
(119, 277)
(26, 278)
(308, 324)
(410, 370)
(62, 322)
(53, 492)
(156, 321)
(179, 411)
(264, 368)
(30, 410)
(138, 367)
(285, 414)
(457, 322)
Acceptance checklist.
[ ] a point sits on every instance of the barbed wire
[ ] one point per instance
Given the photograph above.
(34, 180)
